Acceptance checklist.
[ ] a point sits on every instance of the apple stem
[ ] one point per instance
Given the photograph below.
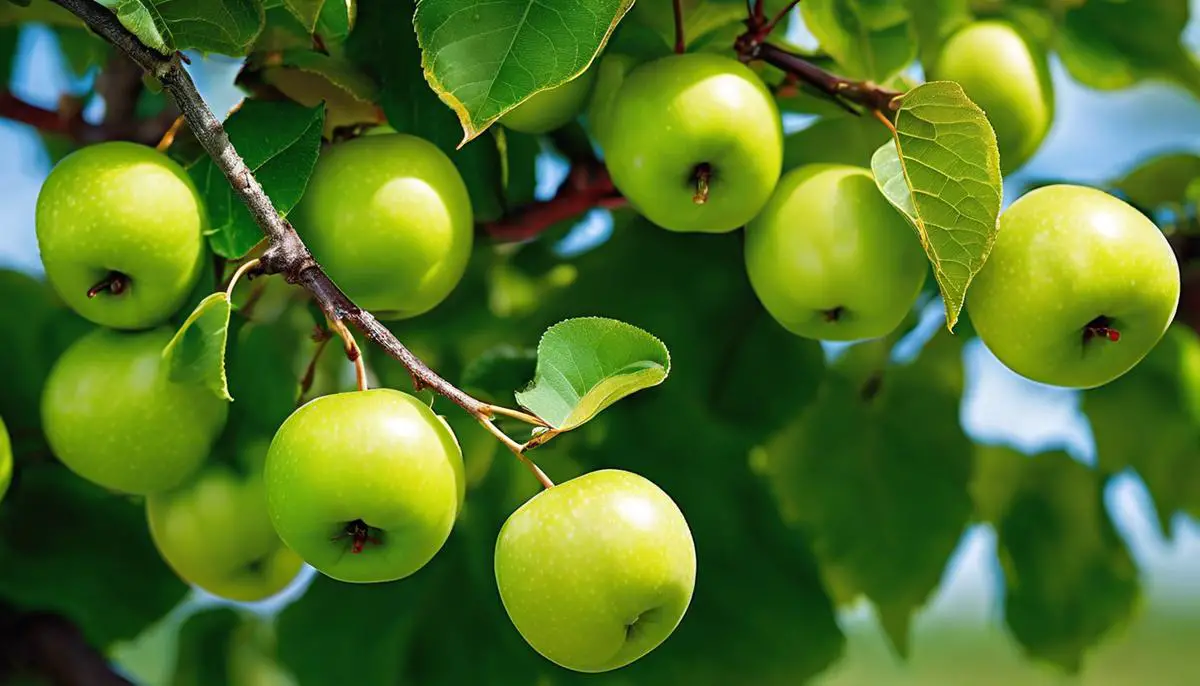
(238, 275)
(702, 175)
(1100, 328)
(352, 352)
(115, 283)
(322, 338)
(680, 43)
(518, 450)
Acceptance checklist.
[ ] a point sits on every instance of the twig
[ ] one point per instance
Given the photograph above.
(837, 88)
(322, 338)
(352, 353)
(680, 42)
(517, 414)
(518, 450)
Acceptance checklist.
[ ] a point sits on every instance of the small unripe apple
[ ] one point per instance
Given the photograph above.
(597, 571)
(214, 531)
(390, 220)
(120, 229)
(695, 142)
(830, 258)
(365, 485)
(610, 75)
(1078, 288)
(552, 108)
(1008, 77)
(113, 415)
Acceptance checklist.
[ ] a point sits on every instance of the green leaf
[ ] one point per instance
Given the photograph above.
(1113, 44)
(997, 473)
(878, 473)
(197, 352)
(484, 59)
(1070, 580)
(585, 365)
(312, 78)
(227, 27)
(88, 557)
(942, 171)
(870, 40)
(307, 11)
(1162, 180)
(934, 21)
(279, 142)
(375, 622)
(747, 392)
(1149, 419)
(205, 643)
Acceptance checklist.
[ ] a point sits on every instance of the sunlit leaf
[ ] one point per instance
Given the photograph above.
(942, 171)
(586, 364)
(196, 354)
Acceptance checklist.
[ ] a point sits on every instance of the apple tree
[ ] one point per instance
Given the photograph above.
(336, 343)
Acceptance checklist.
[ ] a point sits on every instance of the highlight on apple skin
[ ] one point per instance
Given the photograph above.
(1078, 288)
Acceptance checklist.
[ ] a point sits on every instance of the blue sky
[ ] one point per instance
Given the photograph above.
(1095, 137)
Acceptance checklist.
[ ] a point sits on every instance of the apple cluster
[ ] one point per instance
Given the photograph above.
(1076, 290)
(365, 486)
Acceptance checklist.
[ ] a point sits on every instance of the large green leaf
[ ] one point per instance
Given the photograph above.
(1070, 580)
(586, 364)
(878, 473)
(1162, 180)
(227, 27)
(484, 59)
(70, 547)
(310, 12)
(279, 142)
(870, 40)
(1149, 419)
(942, 171)
(1113, 44)
(196, 354)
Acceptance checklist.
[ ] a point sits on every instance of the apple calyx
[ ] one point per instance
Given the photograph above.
(833, 314)
(702, 174)
(1101, 327)
(360, 535)
(115, 282)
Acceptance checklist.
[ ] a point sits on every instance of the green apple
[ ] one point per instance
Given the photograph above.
(1008, 77)
(389, 219)
(6, 459)
(113, 415)
(364, 485)
(597, 571)
(214, 532)
(831, 259)
(552, 108)
(695, 142)
(120, 228)
(610, 75)
(1078, 288)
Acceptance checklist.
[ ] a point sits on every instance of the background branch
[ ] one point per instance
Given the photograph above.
(586, 187)
(287, 254)
(53, 647)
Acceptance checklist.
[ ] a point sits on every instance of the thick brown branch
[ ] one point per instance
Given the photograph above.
(287, 254)
(53, 647)
(586, 187)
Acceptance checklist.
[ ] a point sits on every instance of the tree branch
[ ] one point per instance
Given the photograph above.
(752, 45)
(53, 647)
(586, 187)
(287, 255)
